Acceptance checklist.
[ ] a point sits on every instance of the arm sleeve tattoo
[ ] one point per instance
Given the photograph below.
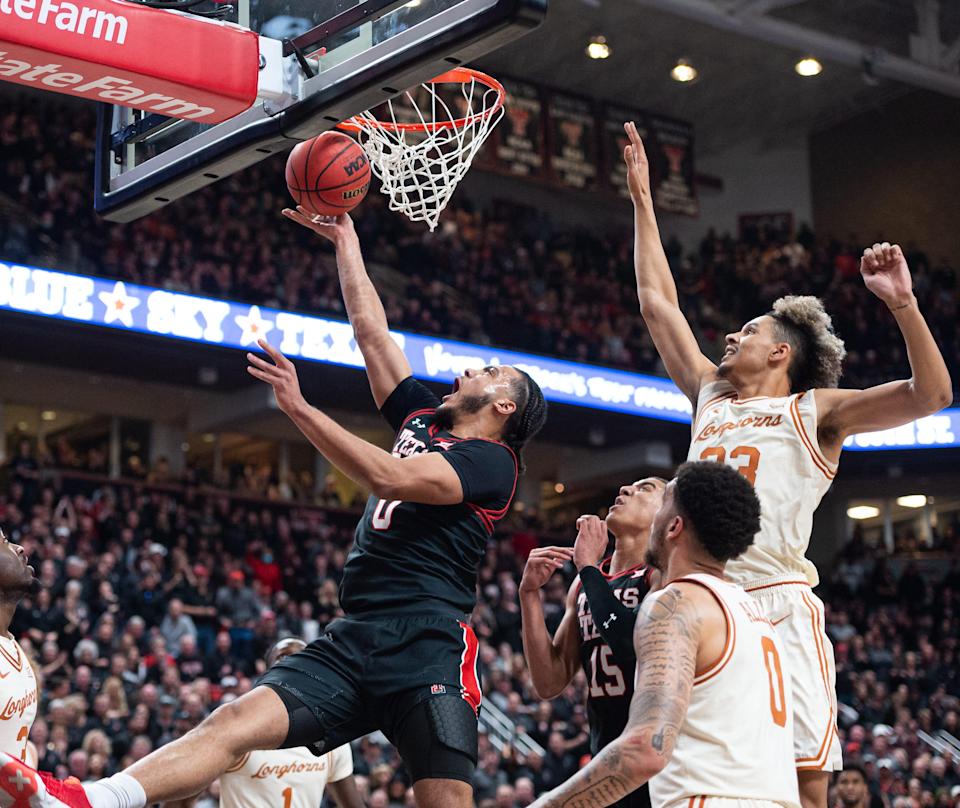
(666, 640)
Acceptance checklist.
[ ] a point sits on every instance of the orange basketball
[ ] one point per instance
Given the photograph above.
(328, 174)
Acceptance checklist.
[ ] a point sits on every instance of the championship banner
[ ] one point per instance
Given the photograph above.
(520, 143)
(614, 141)
(573, 141)
(670, 151)
(123, 53)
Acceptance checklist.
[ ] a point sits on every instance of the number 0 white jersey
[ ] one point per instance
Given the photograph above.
(18, 697)
(736, 740)
(283, 778)
(773, 443)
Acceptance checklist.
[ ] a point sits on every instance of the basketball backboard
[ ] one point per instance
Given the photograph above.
(338, 58)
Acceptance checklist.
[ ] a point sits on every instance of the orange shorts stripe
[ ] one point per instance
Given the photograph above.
(819, 761)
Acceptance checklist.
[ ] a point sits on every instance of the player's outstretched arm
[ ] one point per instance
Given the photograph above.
(656, 289)
(552, 661)
(385, 361)
(427, 478)
(667, 640)
(848, 412)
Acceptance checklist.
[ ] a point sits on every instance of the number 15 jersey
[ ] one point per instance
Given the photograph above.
(773, 443)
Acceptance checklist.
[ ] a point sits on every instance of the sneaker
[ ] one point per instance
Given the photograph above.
(23, 787)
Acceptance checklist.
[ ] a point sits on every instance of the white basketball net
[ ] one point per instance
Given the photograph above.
(421, 149)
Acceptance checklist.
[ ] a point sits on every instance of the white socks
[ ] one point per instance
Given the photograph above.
(119, 791)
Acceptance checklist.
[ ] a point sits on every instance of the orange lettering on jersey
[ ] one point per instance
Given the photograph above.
(17, 707)
(714, 430)
(281, 770)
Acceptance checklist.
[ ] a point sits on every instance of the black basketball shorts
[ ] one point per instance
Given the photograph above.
(405, 676)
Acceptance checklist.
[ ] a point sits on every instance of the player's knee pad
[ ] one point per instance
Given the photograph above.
(304, 727)
(438, 739)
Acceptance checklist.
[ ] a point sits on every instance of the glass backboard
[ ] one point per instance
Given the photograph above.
(339, 58)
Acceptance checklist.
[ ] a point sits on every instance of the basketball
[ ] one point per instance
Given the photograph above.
(328, 174)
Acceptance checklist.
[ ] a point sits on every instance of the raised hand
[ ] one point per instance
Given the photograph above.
(281, 375)
(638, 167)
(542, 563)
(332, 228)
(886, 274)
(591, 541)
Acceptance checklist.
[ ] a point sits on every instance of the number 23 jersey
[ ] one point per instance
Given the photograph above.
(773, 443)
(18, 695)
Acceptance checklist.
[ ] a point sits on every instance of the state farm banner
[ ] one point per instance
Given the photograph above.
(127, 54)
(614, 140)
(573, 141)
(669, 148)
(520, 147)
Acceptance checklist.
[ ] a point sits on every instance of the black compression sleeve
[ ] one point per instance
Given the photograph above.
(613, 620)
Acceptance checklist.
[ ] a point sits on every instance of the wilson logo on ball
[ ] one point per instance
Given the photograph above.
(352, 168)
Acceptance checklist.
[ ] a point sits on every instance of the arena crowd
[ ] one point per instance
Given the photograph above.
(161, 593)
(503, 275)
(158, 602)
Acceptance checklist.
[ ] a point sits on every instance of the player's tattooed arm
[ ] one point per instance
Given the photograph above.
(667, 638)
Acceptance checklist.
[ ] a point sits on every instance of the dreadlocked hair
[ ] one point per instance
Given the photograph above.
(816, 351)
(527, 419)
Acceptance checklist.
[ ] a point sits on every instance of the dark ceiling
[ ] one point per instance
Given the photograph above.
(746, 90)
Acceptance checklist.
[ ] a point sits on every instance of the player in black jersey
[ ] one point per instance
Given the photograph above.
(597, 628)
(404, 658)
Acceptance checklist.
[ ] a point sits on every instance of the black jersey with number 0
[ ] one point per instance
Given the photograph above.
(413, 558)
(609, 680)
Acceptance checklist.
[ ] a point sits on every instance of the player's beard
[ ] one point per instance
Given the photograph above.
(447, 414)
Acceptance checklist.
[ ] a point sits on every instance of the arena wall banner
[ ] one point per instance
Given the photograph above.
(131, 307)
(519, 146)
(614, 141)
(670, 151)
(572, 140)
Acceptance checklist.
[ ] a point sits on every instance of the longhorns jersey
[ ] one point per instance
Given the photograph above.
(736, 740)
(773, 443)
(18, 695)
(283, 778)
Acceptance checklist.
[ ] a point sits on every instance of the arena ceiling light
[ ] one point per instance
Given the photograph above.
(863, 512)
(912, 501)
(598, 48)
(48, 415)
(808, 66)
(684, 72)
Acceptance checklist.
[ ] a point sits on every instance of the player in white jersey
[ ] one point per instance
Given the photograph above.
(710, 722)
(18, 684)
(772, 410)
(290, 778)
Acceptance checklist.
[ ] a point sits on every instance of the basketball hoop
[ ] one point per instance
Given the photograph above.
(423, 147)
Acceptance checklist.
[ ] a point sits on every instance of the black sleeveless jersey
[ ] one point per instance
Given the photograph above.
(413, 558)
(609, 680)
